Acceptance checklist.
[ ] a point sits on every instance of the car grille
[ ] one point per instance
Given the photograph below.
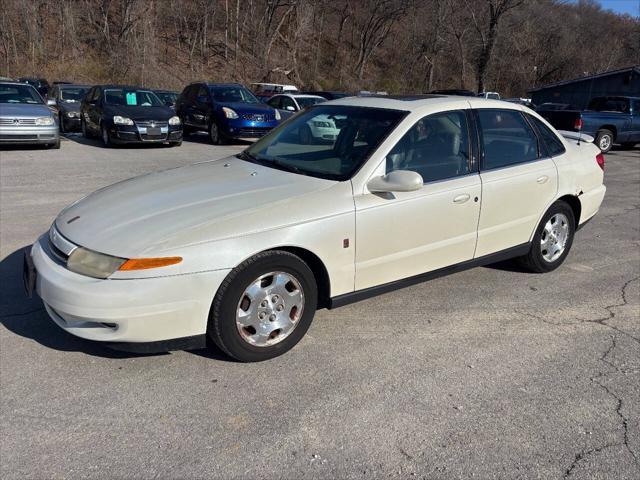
(21, 121)
(253, 132)
(152, 123)
(258, 117)
(18, 137)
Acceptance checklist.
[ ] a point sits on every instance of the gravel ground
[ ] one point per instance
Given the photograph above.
(489, 373)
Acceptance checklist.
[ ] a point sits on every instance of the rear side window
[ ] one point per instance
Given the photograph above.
(507, 138)
(550, 140)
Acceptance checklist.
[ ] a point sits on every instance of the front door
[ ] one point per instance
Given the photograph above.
(403, 234)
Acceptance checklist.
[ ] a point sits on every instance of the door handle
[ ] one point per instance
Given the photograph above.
(542, 179)
(462, 198)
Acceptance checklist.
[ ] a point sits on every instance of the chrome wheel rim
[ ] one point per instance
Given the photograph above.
(270, 309)
(555, 234)
(605, 142)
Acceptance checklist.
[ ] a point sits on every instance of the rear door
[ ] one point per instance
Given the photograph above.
(519, 180)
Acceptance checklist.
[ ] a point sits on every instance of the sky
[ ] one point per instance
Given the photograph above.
(632, 7)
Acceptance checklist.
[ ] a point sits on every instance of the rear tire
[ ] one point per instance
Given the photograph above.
(604, 140)
(552, 241)
(264, 307)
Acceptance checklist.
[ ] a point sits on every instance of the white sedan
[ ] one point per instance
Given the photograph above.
(242, 251)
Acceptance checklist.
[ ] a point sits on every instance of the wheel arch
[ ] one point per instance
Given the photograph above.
(317, 267)
(572, 200)
(611, 128)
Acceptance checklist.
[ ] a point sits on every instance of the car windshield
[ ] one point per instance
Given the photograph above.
(233, 95)
(73, 94)
(167, 97)
(326, 141)
(19, 94)
(131, 97)
(305, 102)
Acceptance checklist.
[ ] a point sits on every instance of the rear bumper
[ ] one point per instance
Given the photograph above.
(124, 311)
(29, 135)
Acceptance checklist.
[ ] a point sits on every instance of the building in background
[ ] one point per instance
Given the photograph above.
(578, 92)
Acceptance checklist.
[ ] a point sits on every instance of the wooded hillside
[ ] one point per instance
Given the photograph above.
(397, 45)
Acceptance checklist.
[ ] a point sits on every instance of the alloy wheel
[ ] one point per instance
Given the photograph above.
(553, 240)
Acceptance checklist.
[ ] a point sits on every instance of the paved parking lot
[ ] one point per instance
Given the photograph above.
(489, 373)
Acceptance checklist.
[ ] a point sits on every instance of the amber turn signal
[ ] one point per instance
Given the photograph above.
(145, 263)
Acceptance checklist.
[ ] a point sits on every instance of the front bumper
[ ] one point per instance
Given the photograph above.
(135, 134)
(240, 128)
(29, 134)
(122, 311)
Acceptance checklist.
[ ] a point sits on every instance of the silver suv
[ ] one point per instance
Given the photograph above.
(25, 118)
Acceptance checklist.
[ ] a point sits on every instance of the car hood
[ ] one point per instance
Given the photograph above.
(69, 106)
(244, 108)
(184, 206)
(24, 109)
(140, 113)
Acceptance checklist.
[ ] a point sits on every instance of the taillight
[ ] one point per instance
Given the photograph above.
(578, 124)
(600, 160)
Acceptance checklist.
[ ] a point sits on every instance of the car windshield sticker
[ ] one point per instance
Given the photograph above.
(131, 98)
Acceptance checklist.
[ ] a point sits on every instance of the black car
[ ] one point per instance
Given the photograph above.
(168, 97)
(68, 98)
(127, 114)
(225, 111)
(329, 95)
(40, 84)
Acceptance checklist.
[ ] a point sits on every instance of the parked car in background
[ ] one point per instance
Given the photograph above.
(67, 98)
(25, 117)
(61, 82)
(329, 95)
(489, 95)
(6, 79)
(128, 114)
(168, 97)
(608, 119)
(318, 129)
(548, 106)
(243, 250)
(225, 111)
(521, 101)
(40, 84)
(453, 91)
(270, 89)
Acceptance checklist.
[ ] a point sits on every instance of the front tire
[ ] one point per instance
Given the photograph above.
(106, 137)
(264, 307)
(604, 140)
(85, 129)
(552, 240)
(215, 135)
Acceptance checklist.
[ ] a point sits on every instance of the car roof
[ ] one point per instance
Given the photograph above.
(212, 84)
(65, 85)
(298, 95)
(411, 103)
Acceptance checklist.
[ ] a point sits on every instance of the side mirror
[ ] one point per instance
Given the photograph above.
(51, 102)
(396, 181)
(290, 108)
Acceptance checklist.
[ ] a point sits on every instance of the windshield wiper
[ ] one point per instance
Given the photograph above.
(244, 155)
(288, 167)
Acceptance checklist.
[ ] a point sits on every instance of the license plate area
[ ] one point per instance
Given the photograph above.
(154, 131)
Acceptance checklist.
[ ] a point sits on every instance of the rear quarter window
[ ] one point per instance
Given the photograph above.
(549, 139)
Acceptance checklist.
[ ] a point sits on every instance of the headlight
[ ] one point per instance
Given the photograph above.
(174, 120)
(278, 117)
(118, 120)
(229, 113)
(44, 121)
(73, 114)
(93, 264)
(98, 265)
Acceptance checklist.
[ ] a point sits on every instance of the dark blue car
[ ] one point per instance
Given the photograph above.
(224, 110)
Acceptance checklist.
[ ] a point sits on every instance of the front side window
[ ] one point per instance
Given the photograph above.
(507, 138)
(436, 147)
(288, 104)
(275, 102)
(305, 102)
(329, 142)
(550, 140)
(131, 97)
(72, 94)
(233, 95)
(19, 94)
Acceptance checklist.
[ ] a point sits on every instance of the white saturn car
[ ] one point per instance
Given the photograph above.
(243, 250)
